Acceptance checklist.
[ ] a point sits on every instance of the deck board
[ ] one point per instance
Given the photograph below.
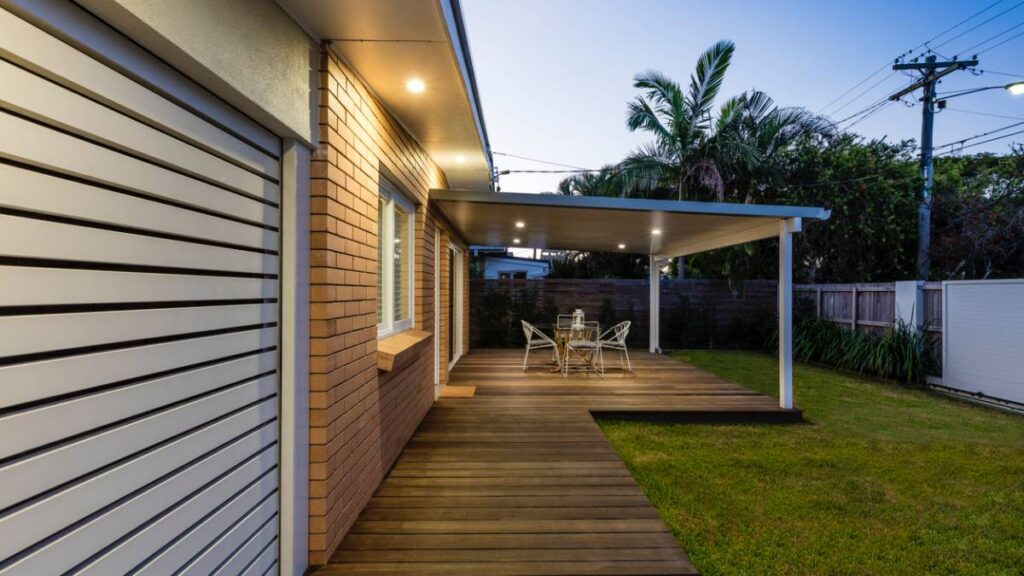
(520, 480)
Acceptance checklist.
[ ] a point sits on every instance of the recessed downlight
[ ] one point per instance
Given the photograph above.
(622, 246)
(656, 231)
(520, 224)
(515, 240)
(415, 85)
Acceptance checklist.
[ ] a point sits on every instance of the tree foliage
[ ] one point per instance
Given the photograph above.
(749, 150)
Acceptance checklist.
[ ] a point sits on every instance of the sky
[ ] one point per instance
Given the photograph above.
(554, 76)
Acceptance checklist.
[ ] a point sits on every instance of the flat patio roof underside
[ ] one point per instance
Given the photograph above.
(601, 224)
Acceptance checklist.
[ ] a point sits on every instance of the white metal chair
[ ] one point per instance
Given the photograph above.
(564, 321)
(585, 343)
(615, 339)
(536, 340)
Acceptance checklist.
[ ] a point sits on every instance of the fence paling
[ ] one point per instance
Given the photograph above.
(868, 307)
(871, 307)
(629, 299)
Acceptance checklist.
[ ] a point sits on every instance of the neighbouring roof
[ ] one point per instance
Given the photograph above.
(503, 258)
(601, 224)
(388, 42)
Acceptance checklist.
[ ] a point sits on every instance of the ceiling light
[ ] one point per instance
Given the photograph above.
(622, 246)
(656, 231)
(460, 159)
(520, 224)
(515, 240)
(415, 85)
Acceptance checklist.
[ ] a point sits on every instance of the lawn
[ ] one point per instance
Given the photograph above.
(881, 480)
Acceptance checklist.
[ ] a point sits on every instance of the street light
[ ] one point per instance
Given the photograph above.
(1015, 88)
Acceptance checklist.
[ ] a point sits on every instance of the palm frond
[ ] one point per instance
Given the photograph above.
(758, 105)
(646, 169)
(640, 116)
(662, 91)
(730, 114)
(707, 80)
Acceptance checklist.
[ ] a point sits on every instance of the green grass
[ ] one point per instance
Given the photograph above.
(881, 480)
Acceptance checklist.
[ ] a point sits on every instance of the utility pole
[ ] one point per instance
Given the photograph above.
(931, 70)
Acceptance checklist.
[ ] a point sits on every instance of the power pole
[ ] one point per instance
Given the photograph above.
(931, 70)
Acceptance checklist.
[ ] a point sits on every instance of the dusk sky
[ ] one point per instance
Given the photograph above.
(555, 75)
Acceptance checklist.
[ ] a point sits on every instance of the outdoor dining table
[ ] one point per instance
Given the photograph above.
(560, 334)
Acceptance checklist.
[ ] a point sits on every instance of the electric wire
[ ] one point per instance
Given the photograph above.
(986, 71)
(976, 26)
(924, 44)
(527, 158)
(1011, 38)
(977, 113)
(973, 144)
(976, 136)
(989, 39)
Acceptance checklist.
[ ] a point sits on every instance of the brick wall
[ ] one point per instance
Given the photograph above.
(360, 419)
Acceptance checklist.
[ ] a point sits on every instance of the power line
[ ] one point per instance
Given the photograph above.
(955, 150)
(878, 108)
(907, 53)
(858, 179)
(1011, 38)
(981, 135)
(868, 89)
(962, 111)
(576, 171)
(855, 86)
(538, 160)
(998, 73)
(976, 26)
(960, 23)
(993, 37)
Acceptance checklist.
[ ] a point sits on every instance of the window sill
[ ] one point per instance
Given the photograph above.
(395, 350)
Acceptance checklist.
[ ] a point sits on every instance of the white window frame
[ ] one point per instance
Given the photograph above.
(386, 267)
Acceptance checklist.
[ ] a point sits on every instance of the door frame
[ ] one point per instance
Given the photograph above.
(437, 313)
(455, 322)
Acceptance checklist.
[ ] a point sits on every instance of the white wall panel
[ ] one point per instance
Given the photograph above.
(42, 193)
(982, 338)
(139, 313)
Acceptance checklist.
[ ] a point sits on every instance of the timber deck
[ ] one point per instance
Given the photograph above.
(520, 480)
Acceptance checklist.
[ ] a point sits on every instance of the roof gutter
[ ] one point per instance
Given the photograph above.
(456, 29)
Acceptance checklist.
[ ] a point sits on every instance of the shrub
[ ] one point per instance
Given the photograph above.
(900, 353)
(499, 317)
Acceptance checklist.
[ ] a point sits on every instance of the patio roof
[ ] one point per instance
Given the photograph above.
(602, 224)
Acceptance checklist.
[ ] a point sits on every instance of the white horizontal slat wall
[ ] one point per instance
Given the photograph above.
(139, 262)
(982, 335)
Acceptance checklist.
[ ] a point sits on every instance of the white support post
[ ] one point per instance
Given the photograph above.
(786, 229)
(910, 304)
(655, 306)
(294, 518)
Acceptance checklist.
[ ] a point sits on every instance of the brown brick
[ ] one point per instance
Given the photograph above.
(360, 419)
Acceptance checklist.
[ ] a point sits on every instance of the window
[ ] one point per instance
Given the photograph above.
(395, 224)
(512, 275)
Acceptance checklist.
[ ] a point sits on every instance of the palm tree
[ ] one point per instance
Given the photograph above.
(768, 130)
(603, 182)
(697, 154)
(691, 149)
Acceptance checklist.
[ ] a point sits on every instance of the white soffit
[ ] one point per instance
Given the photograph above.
(599, 224)
(389, 42)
